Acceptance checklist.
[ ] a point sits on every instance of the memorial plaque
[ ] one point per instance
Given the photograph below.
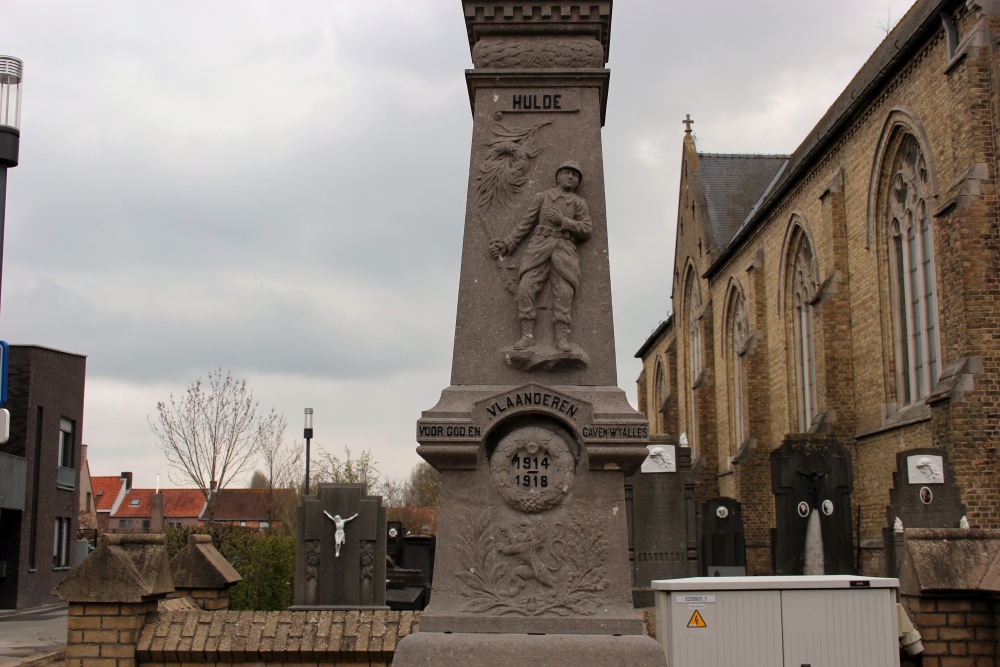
(923, 495)
(662, 528)
(811, 479)
(533, 436)
(723, 548)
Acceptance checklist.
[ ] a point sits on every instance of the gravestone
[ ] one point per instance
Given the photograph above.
(659, 504)
(811, 479)
(723, 548)
(923, 495)
(340, 549)
(533, 437)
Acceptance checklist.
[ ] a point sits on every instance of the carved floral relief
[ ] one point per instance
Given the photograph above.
(534, 566)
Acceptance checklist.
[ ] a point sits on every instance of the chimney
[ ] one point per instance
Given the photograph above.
(157, 504)
(127, 476)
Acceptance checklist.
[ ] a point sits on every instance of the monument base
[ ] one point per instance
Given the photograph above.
(504, 650)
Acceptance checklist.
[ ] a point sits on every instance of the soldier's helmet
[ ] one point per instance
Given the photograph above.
(571, 164)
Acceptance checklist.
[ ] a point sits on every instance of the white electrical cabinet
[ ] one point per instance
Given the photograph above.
(827, 621)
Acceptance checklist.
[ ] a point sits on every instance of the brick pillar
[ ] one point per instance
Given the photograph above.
(111, 594)
(947, 582)
(105, 634)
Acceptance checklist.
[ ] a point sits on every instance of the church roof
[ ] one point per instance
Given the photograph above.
(919, 23)
(732, 185)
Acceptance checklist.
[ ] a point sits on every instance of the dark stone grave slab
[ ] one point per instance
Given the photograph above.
(923, 495)
(346, 575)
(659, 504)
(723, 548)
(811, 473)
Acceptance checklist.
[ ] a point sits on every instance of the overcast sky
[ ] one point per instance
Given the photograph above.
(278, 188)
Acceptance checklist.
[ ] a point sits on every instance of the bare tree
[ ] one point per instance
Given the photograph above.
(328, 467)
(281, 475)
(211, 434)
(281, 461)
(424, 486)
(394, 491)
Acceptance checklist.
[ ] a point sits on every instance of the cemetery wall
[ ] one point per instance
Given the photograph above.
(942, 91)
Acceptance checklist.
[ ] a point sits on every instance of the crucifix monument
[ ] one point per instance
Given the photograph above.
(533, 437)
(340, 562)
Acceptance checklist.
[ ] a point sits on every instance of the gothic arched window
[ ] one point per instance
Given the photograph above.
(739, 333)
(660, 396)
(694, 355)
(911, 265)
(804, 284)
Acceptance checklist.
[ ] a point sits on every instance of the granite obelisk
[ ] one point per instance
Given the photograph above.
(533, 437)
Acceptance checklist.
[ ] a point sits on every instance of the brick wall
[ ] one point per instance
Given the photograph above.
(956, 632)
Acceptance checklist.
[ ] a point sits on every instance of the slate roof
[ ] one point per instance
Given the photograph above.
(895, 52)
(105, 490)
(733, 184)
(249, 504)
(177, 504)
(655, 336)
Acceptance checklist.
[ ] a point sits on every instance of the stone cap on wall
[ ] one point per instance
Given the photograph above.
(200, 565)
(123, 568)
(283, 637)
(950, 560)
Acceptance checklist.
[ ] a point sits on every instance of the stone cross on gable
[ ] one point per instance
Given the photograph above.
(687, 123)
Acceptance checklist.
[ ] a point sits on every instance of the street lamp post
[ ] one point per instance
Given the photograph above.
(308, 434)
(11, 70)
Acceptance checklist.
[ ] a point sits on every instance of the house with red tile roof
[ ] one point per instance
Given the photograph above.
(254, 508)
(181, 507)
(108, 495)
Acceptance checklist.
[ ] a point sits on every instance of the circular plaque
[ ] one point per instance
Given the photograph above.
(532, 469)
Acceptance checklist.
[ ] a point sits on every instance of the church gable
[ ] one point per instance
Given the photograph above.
(733, 184)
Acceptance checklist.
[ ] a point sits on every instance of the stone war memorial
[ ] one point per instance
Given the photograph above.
(533, 437)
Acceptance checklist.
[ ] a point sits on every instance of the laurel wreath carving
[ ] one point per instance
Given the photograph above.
(504, 170)
(536, 566)
(530, 54)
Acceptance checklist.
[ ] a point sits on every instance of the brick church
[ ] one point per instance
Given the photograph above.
(850, 290)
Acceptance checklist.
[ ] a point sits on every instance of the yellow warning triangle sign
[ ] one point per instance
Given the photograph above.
(697, 621)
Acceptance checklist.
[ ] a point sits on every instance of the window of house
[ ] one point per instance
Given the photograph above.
(134, 502)
(60, 545)
(66, 443)
(739, 334)
(911, 262)
(804, 284)
(86, 503)
(125, 525)
(173, 524)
